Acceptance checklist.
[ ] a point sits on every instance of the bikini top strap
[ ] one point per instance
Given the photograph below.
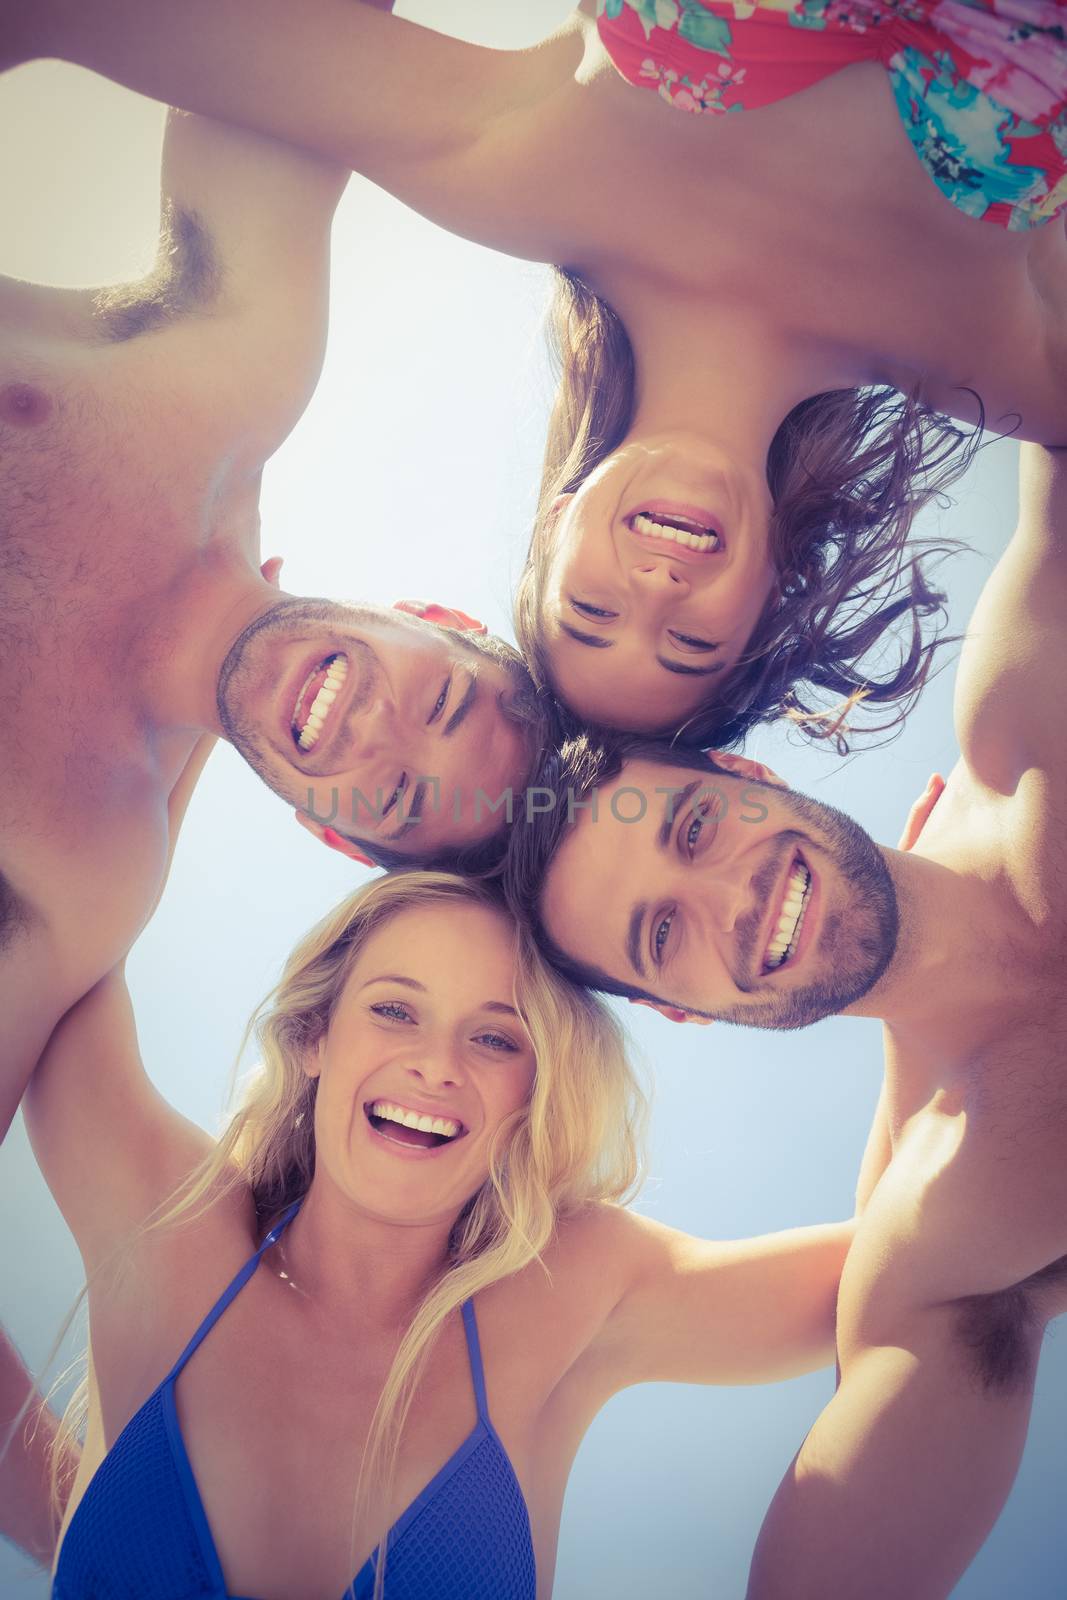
(474, 1354)
(231, 1291)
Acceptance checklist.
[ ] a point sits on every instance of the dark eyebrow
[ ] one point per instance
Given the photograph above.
(675, 801)
(678, 667)
(462, 709)
(395, 977)
(673, 804)
(684, 671)
(418, 800)
(633, 938)
(590, 639)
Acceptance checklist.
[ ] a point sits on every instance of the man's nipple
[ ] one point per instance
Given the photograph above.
(24, 405)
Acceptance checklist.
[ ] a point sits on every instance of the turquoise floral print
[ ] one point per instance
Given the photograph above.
(980, 85)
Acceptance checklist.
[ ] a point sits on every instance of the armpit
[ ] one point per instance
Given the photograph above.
(1002, 1332)
(186, 278)
(15, 917)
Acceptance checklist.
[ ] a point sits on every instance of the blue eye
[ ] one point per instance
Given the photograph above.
(659, 938)
(496, 1041)
(592, 611)
(393, 1011)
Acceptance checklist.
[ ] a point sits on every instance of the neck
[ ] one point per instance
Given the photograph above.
(359, 1268)
(179, 637)
(931, 983)
(195, 620)
(751, 375)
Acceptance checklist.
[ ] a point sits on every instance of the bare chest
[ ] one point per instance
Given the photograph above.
(276, 1422)
(276, 1431)
(818, 207)
(85, 522)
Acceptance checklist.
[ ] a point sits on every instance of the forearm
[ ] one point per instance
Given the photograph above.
(27, 1431)
(900, 1480)
(323, 74)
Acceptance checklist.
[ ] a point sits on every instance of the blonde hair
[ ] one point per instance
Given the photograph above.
(575, 1142)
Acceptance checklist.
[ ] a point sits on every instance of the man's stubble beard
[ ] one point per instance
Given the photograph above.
(859, 957)
(238, 673)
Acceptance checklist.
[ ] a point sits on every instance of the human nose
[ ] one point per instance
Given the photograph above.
(726, 899)
(375, 732)
(660, 580)
(439, 1067)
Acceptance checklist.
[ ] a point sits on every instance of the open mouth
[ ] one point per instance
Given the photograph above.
(317, 694)
(785, 935)
(414, 1129)
(672, 526)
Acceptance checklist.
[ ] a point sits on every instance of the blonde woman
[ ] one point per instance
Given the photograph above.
(397, 1291)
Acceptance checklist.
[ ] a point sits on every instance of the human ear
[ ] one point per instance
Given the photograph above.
(920, 811)
(672, 1013)
(742, 767)
(443, 616)
(312, 1061)
(334, 840)
(556, 510)
(271, 570)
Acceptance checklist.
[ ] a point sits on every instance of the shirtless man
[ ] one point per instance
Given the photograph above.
(133, 430)
(135, 619)
(744, 902)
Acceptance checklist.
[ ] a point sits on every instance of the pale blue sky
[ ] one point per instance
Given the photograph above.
(413, 473)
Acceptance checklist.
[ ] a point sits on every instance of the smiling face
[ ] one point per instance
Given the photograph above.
(424, 1059)
(739, 900)
(351, 712)
(659, 572)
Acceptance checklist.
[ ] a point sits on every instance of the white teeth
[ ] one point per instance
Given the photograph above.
(688, 538)
(790, 918)
(388, 1112)
(336, 674)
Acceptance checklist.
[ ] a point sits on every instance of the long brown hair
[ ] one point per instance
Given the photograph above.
(848, 470)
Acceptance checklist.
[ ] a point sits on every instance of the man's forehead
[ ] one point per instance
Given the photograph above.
(604, 852)
(575, 877)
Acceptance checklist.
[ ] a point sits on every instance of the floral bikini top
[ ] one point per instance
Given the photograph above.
(980, 85)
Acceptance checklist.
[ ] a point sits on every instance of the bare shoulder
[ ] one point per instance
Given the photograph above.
(148, 1299)
(612, 1235)
(567, 1296)
(1015, 649)
(972, 1207)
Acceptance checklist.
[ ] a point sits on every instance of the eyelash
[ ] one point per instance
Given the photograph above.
(389, 1009)
(439, 707)
(502, 1042)
(393, 1011)
(657, 941)
(699, 644)
(592, 611)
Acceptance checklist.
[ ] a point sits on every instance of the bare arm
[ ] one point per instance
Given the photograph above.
(225, 340)
(439, 122)
(27, 1430)
(955, 1272)
(742, 1311)
(902, 1477)
(110, 1147)
(1007, 703)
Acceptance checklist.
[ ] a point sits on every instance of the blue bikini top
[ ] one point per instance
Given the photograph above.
(140, 1531)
